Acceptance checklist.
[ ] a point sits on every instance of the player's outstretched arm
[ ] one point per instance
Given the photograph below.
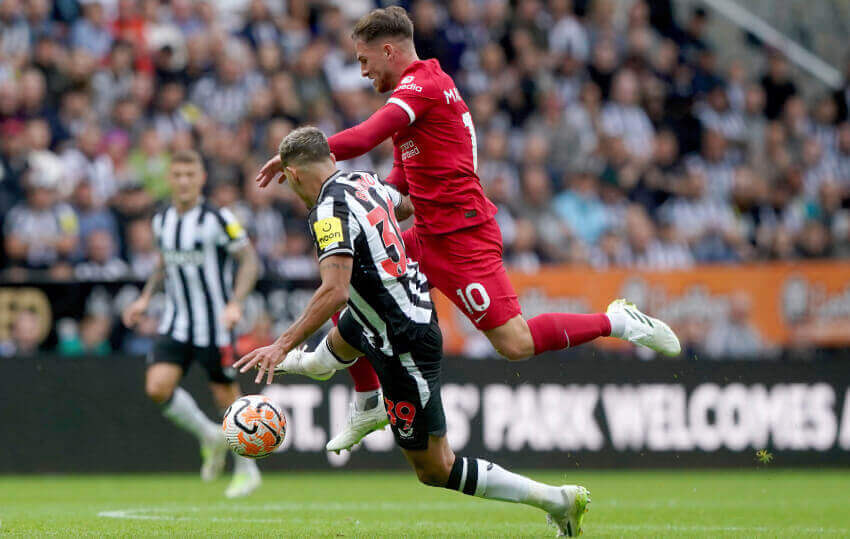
(350, 143)
(246, 278)
(329, 298)
(132, 312)
(357, 140)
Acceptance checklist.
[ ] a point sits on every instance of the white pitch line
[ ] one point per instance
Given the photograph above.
(144, 513)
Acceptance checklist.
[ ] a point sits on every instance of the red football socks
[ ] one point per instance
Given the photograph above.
(555, 331)
(364, 376)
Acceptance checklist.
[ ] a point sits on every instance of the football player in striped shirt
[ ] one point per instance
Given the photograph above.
(200, 248)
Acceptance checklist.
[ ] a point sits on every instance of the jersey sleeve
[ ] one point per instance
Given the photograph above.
(334, 228)
(230, 233)
(397, 177)
(415, 95)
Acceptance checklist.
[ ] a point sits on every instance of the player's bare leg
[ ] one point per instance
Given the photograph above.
(438, 466)
(246, 475)
(161, 386)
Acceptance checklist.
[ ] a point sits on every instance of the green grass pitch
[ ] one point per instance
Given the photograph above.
(753, 503)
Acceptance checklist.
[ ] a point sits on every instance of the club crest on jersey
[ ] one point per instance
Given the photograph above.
(328, 231)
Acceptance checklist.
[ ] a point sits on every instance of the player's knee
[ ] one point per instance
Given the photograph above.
(433, 474)
(516, 349)
(435, 470)
(158, 391)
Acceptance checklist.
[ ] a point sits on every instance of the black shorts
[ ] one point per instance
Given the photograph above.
(410, 381)
(217, 361)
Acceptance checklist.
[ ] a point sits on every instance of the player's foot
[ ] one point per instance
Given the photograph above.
(244, 482)
(295, 363)
(644, 330)
(213, 455)
(569, 519)
(360, 423)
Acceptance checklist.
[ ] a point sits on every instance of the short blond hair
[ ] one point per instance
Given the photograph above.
(303, 146)
(187, 156)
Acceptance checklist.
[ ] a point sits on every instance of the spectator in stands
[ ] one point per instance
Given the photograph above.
(734, 336)
(26, 336)
(92, 217)
(623, 117)
(91, 32)
(149, 163)
(263, 221)
(92, 338)
(224, 96)
(777, 84)
(41, 232)
(101, 261)
(115, 81)
(141, 250)
(580, 209)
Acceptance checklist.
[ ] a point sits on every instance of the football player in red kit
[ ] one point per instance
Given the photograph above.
(455, 237)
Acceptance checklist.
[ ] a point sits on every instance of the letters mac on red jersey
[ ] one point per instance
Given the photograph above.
(438, 151)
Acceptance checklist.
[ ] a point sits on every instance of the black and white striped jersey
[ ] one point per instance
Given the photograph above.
(388, 295)
(196, 249)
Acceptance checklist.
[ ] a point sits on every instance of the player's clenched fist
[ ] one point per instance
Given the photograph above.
(264, 359)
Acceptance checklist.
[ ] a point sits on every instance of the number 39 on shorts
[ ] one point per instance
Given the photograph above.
(474, 297)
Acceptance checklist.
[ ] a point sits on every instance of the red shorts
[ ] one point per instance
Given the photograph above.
(467, 267)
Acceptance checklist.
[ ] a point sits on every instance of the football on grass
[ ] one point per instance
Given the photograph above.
(254, 426)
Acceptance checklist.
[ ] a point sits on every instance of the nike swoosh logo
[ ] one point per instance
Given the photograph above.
(480, 318)
(568, 338)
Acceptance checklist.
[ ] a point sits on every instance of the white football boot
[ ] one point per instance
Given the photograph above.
(569, 519)
(294, 363)
(360, 423)
(246, 479)
(213, 455)
(644, 330)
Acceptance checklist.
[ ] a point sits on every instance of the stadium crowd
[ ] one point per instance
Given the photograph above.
(608, 137)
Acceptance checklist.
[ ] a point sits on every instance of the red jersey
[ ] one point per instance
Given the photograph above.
(438, 151)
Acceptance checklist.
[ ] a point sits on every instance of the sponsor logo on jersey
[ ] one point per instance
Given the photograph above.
(408, 150)
(328, 231)
(174, 257)
(408, 84)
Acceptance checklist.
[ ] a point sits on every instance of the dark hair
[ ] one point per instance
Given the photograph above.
(388, 22)
(304, 145)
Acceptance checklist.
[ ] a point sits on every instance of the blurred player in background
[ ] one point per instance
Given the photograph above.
(199, 245)
(455, 236)
(390, 317)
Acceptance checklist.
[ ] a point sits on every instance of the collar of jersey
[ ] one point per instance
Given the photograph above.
(325, 184)
(201, 200)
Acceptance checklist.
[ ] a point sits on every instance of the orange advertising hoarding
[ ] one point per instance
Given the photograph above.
(788, 304)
